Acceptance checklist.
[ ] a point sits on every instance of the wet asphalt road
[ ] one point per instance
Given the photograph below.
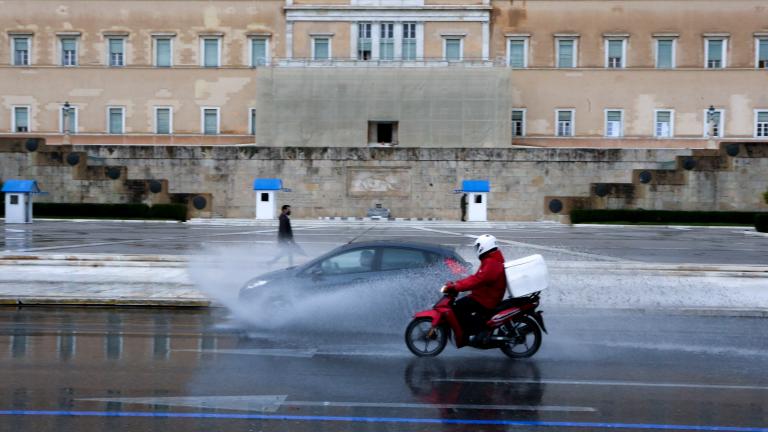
(159, 370)
(554, 241)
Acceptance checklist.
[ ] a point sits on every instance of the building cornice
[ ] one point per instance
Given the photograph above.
(474, 13)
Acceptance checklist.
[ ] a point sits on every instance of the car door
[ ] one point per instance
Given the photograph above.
(345, 268)
(409, 264)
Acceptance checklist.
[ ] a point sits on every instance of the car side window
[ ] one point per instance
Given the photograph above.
(398, 259)
(354, 261)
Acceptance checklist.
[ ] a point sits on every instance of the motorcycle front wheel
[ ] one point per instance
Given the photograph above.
(424, 341)
(526, 338)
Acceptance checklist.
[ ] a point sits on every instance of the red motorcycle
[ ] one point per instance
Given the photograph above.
(515, 327)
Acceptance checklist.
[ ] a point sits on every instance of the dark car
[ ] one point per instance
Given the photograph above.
(361, 263)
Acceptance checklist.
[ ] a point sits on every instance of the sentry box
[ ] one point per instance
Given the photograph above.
(18, 200)
(477, 199)
(266, 200)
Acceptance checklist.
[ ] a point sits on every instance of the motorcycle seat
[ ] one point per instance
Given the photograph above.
(510, 303)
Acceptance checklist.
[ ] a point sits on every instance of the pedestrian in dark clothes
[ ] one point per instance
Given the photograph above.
(285, 242)
(464, 204)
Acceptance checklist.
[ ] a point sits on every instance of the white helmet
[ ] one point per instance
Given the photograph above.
(484, 243)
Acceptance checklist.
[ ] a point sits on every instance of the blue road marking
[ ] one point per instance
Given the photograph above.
(234, 416)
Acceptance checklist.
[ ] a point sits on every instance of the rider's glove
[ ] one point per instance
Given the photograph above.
(448, 288)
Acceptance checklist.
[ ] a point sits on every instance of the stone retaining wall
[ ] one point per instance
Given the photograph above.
(411, 182)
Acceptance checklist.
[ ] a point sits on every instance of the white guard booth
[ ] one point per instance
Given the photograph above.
(18, 200)
(477, 199)
(266, 197)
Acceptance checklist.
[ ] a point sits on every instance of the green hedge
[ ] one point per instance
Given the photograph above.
(662, 216)
(761, 223)
(111, 211)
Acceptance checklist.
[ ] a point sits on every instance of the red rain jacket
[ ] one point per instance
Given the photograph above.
(489, 284)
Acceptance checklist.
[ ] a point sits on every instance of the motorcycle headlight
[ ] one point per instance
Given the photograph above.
(255, 284)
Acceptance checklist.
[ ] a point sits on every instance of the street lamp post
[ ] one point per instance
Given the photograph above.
(711, 127)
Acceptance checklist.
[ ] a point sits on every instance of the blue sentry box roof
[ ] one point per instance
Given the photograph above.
(267, 184)
(21, 186)
(476, 186)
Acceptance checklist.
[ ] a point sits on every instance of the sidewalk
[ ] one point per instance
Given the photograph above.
(164, 280)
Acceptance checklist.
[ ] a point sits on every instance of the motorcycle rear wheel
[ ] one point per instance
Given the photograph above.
(530, 338)
(419, 340)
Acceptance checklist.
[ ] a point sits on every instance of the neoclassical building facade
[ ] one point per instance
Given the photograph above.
(410, 73)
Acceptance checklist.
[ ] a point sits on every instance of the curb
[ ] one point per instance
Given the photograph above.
(687, 311)
(116, 302)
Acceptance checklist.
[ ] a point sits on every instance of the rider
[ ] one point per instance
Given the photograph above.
(487, 288)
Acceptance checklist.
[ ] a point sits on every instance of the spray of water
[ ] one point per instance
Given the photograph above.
(381, 306)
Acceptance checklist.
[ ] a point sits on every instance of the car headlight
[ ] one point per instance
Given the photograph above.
(255, 284)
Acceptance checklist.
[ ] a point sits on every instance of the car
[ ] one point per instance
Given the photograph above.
(358, 263)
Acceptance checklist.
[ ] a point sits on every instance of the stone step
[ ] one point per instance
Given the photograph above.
(613, 190)
(703, 163)
(658, 177)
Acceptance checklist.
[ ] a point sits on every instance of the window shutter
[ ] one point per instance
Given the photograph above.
(762, 54)
(163, 52)
(22, 119)
(321, 49)
(115, 121)
(163, 121)
(517, 53)
(716, 50)
(115, 46)
(453, 49)
(68, 44)
(564, 116)
(664, 53)
(258, 52)
(211, 52)
(21, 44)
(210, 121)
(565, 54)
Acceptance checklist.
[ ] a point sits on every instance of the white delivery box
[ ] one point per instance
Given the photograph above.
(526, 275)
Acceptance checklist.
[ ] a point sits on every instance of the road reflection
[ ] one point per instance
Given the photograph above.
(437, 382)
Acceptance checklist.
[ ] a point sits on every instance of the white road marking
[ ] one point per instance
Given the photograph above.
(14, 230)
(271, 403)
(603, 383)
(262, 403)
(529, 245)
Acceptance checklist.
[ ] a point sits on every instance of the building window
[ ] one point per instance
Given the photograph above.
(252, 121)
(387, 41)
(68, 120)
(20, 120)
(210, 121)
(761, 124)
(321, 48)
(259, 52)
(453, 49)
(614, 123)
(517, 54)
(718, 117)
(382, 132)
(409, 41)
(518, 123)
(762, 53)
(69, 51)
(116, 52)
(665, 53)
(163, 120)
(21, 47)
(664, 123)
(715, 53)
(615, 53)
(566, 53)
(364, 41)
(163, 52)
(115, 120)
(564, 122)
(211, 47)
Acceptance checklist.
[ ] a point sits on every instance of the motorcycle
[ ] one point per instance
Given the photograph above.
(515, 328)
